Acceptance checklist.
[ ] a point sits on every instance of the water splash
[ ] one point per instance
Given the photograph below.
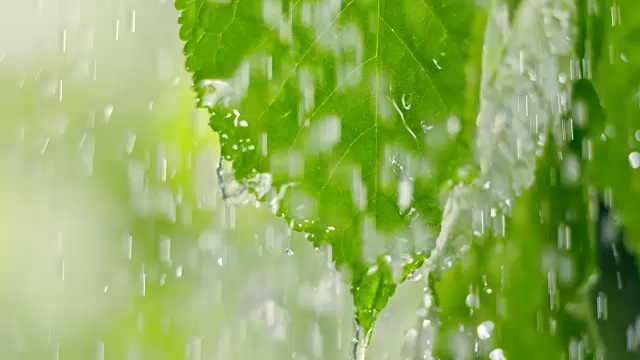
(420, 340)
(240, 192)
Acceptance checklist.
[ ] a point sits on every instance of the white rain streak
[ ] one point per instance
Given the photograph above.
(316, 340)
(602, 308)
(633, 335)
(306, 84)
(161, 163)
(87, 153)
(405, 193)
(108, 111)
(127, 246)
(324, 134)
(165, 249)
(358, 189)
(130, 141)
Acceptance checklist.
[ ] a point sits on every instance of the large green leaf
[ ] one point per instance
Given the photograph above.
(348, 117)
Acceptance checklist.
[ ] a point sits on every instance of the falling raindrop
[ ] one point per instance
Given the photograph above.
(63, 41)
(165, 249)
(571, 169)
(316, 341)
(405, 193)
(632, 341)
(485, 330)
(471, 301)
(60, 89)
(142, 282)
(99, 353)
(289, 251)
(634, 159)
(453, 125)
(194, 348)
(601, 306)
(130, 141)
(108, 110)
(610, 131)
(87, 151)
(497, 354)
(133, 21)
(127, 246)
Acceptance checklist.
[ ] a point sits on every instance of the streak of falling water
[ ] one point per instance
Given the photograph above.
(316, 341)
(99, 350)
(601, 306)
(360, 341)
(420, 340)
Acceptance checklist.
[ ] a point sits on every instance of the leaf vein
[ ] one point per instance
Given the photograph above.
(422, 66)
(299, 62)
(335, 167)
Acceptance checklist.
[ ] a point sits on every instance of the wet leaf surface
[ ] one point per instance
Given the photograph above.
(356, 110)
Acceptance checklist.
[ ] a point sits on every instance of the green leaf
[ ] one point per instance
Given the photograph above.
(347, 117)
